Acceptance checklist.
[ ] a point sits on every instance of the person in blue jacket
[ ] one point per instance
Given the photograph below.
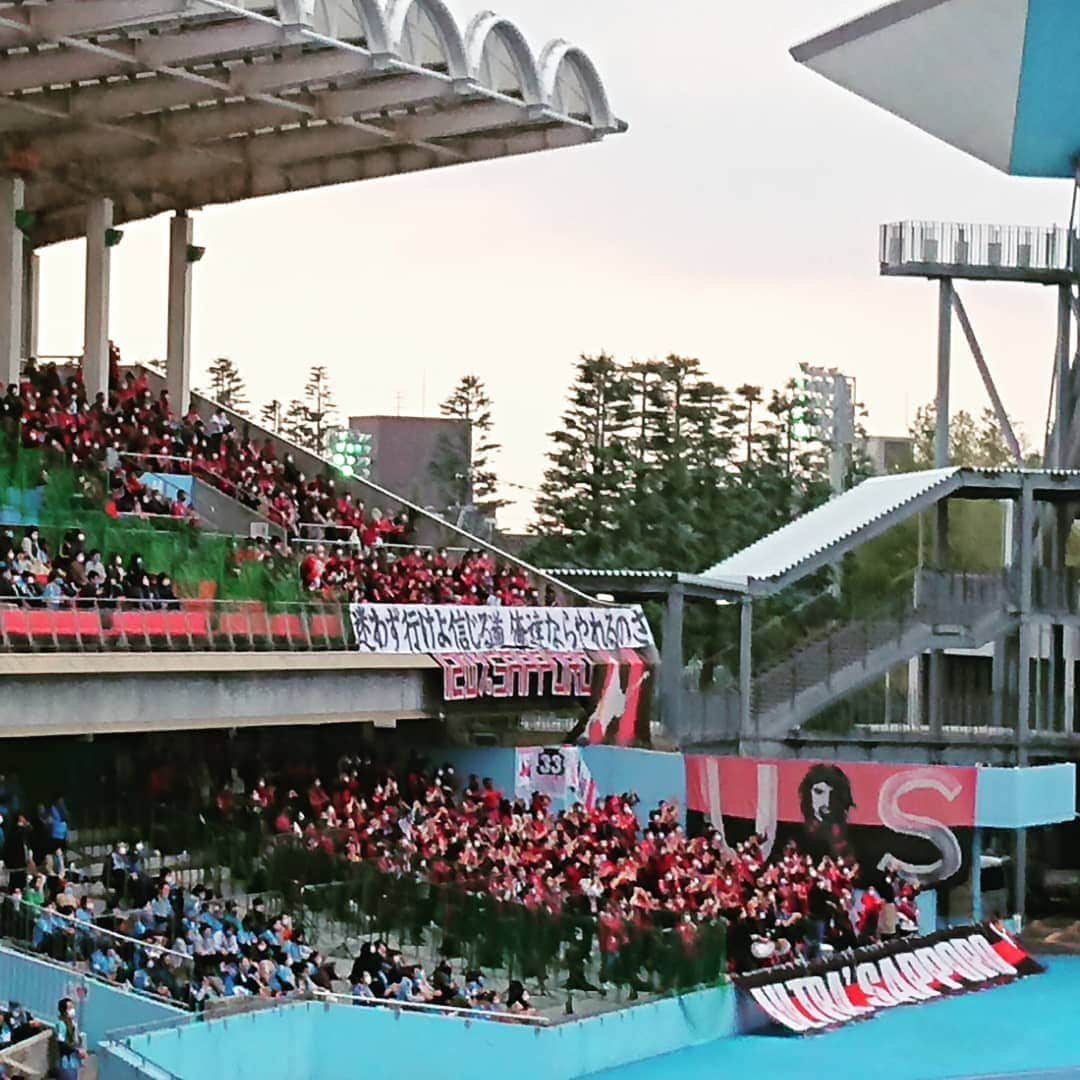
(70, 1052)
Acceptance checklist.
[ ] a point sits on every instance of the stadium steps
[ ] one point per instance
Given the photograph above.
(789, 695)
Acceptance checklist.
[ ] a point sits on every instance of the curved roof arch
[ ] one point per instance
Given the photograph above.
(354, 21)
(162, 105)
(572, 85)
(424, 33)
(500, 58)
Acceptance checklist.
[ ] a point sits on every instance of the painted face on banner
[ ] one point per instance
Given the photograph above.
(821, 800)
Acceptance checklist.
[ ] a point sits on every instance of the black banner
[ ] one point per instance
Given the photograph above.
(804, 998)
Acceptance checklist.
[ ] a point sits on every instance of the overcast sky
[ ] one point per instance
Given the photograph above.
(735, 222)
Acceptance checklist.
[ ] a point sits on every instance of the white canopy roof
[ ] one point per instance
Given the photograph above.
(174, 104)
(816, 533)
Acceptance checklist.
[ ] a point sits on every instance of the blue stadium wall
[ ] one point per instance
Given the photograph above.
(337, 1042)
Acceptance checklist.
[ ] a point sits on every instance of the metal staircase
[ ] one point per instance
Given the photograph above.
(944, 611)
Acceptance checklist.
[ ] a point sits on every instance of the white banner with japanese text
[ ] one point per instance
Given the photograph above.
(447, 628)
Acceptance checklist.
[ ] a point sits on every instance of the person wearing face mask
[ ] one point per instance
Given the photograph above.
(36, 547)
(69, 1042)
(77, 571)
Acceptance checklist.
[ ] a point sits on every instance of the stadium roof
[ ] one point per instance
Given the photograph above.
(995, 78)
(646, 582)
(174, 104)
(826, 534)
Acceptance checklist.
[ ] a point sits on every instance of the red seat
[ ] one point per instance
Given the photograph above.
(290, 627)
(47, 627)
(243, 626)
(77, 624)
(177, 626)
(326, 627)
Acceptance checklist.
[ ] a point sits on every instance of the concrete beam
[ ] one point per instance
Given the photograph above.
(12, 196)
(159, 700)
(178, 319)
(99, 219)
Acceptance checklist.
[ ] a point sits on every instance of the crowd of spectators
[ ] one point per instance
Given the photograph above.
(345, 550)
(597, 861)
(375, 575)
(31, 575)
(132, 431)
(195, 947)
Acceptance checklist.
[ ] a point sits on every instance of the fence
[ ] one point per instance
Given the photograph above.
(97, 950)
(936, 600)
(1020, 247)
(361, 903)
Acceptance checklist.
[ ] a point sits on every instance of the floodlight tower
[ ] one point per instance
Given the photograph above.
(828, 396)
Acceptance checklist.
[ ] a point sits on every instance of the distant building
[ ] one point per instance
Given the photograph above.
(889, 454)
(425, 459)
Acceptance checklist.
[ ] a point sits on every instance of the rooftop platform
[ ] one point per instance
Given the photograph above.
(165, 105)
(938, 249)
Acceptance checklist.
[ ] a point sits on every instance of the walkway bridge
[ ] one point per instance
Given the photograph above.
(1022, 623)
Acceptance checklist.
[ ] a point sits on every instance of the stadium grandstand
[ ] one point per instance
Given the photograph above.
(297, 776)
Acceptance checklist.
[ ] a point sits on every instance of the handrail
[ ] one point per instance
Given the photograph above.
(385, 493)
(426, 1006)
(136, 625)
(182, 1010)
(86, 928)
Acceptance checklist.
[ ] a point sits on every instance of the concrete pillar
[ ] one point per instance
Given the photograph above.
(1020, 874)
(976, 875)
(935, 693)
(178, 327)
(99, 219)
(998, 682)
(941, 406)
(1062, 357)
(671, 660)
(31, 290)
(746, 675)
(11, 278)
(1023, 682)
(1068, 703)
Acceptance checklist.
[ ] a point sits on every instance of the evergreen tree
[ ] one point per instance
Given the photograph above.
(579, 509)
(294, 425)
(227, 385)
(977, 443)
(469, 401)
(658, 467)
(309, 422)
(271, 415)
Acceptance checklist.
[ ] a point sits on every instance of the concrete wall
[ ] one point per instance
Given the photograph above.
(654, 775)
(1017, 798)
(336, 1042)
(227, 515)
(98, 694)
(39, 985)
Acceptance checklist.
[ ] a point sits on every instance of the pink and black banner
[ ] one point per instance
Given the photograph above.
(796, 999)
(613, 688)
(911, 818)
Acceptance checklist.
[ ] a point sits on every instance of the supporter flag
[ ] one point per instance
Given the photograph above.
(580, 787)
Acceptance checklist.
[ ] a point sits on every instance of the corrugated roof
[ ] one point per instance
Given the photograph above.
(582, 571)
(829, 525)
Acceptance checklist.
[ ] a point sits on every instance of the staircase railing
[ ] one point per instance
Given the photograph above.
(936, 599)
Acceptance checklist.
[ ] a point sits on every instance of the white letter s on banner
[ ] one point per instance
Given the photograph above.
(894, 817)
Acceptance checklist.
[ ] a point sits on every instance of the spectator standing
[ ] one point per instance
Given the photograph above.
(69, 1040)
